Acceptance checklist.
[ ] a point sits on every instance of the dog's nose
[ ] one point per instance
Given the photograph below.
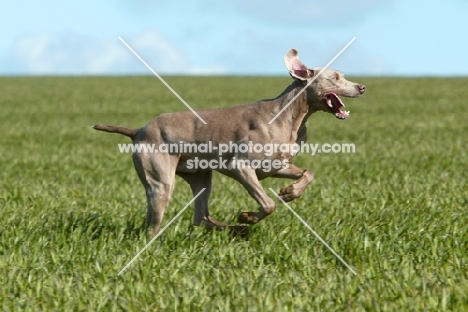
(361, 88)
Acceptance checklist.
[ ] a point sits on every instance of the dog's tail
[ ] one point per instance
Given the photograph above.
(122, 130)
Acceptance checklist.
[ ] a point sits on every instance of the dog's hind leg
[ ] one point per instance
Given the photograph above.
(157, 175)
(158, 195)
(197, 182)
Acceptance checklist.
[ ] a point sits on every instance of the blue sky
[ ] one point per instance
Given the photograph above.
(393, 37)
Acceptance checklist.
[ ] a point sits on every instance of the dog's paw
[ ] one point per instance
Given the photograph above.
(247, 218)
(288, 193)
(211, 223)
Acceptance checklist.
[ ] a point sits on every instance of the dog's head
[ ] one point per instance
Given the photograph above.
(325, 86)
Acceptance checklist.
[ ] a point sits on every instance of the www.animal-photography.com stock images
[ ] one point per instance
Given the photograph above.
(234, 156)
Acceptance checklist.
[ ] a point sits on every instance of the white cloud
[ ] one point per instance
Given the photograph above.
(207, 70)
(76, 54)
(71, 53)
(159, 52)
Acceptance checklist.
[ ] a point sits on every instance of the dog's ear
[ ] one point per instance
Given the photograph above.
(296, 68)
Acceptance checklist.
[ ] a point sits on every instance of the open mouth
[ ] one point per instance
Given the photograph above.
(335, 105)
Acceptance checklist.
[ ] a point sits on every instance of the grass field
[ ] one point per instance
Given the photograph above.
(73, 208)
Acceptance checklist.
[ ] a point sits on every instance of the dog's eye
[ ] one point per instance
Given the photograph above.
(337, 76)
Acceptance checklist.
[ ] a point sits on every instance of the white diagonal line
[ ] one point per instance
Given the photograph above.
(312, 80)
(160, 232)
(313, 232)
(162, 80)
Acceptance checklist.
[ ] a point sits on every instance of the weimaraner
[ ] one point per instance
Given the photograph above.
(239, 124)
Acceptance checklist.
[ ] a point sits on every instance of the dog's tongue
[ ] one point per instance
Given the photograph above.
(336, 104)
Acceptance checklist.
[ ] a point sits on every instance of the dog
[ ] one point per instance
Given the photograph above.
(281, 120)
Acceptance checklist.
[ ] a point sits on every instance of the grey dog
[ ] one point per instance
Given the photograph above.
(242, 124)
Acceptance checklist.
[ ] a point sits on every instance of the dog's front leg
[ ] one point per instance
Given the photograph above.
(302, 176)
(248, 178)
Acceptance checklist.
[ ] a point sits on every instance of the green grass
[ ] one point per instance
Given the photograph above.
(73, 209)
